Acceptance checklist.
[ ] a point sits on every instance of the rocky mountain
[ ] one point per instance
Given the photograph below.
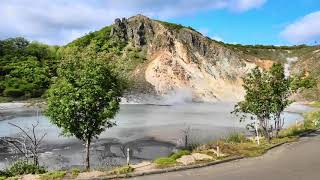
(163, 58)
(181, 58)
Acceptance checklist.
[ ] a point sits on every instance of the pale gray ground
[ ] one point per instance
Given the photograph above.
(296, 161)
(150, 131)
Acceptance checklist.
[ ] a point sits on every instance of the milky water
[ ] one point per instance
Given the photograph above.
(150, 131)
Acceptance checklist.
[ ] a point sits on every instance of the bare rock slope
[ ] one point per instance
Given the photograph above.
(181, 58)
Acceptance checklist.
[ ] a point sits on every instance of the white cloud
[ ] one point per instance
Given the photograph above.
(303, 30)
(59, 21)
(245, 5)
(204, 31)
(217, 38)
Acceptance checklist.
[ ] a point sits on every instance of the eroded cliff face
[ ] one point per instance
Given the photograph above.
(181, 58)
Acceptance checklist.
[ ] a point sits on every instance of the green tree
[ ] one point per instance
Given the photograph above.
(26, 68)
(84, 99)
(257, 102)
(280, 92)
(267, 96)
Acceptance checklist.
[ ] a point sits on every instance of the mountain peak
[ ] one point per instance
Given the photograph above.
(139, 16)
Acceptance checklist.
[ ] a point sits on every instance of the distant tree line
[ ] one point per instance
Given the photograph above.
(26, 68)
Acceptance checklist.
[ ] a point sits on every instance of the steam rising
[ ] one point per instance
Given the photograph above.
(287, 66)
(178, 96)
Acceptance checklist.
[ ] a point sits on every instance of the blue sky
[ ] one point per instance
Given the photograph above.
(278, 22)
(257, 26)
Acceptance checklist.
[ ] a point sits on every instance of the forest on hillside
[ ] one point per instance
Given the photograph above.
(28, 68)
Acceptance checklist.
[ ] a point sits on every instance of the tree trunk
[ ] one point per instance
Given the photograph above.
(267, 135)
(35, 160)
(88, 142)
(264, 128)
(279, 124)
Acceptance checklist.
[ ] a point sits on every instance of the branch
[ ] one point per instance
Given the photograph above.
(22, 130)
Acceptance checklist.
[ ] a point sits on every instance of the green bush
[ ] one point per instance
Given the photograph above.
(236, 138)
(179, 154)
(11, 92)
(5, 173)
(23, 167)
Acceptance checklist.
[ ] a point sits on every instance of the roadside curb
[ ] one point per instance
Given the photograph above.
(299, 136)
(181, 168)
(172, 169)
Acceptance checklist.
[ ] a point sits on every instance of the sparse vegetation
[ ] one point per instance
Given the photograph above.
(311, 122)
(165, 162)
(75, 172)
(179, 154)
(53, 175)
(121, 170)
(236, 138)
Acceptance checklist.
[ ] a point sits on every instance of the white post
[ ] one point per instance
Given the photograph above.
(257, 132)
(128, 156)
(218, 151)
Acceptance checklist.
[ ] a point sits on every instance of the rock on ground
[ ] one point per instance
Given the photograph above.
(201, 157)
(186, 160)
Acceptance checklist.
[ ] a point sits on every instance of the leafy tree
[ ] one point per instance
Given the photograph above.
(280, 93)
(282, 88)
(267, 95)
(26, 68)
(257, 102)
(84, 99)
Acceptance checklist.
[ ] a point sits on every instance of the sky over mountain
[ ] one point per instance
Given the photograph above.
(276, 22)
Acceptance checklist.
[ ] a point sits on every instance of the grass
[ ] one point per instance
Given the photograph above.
(179, 154)
(311, 122)
(75, 172)
(121, 170)
(53, 175)
(4, 100)
(165, 162)
(236, 138)
(316, 104)
(171, 160)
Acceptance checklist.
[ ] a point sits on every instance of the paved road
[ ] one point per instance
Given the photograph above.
(296, 161)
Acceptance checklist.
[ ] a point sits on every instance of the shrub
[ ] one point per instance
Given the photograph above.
(11, 92)
(5, 173)
(23, 167)
(236, 138)
(179, 154)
